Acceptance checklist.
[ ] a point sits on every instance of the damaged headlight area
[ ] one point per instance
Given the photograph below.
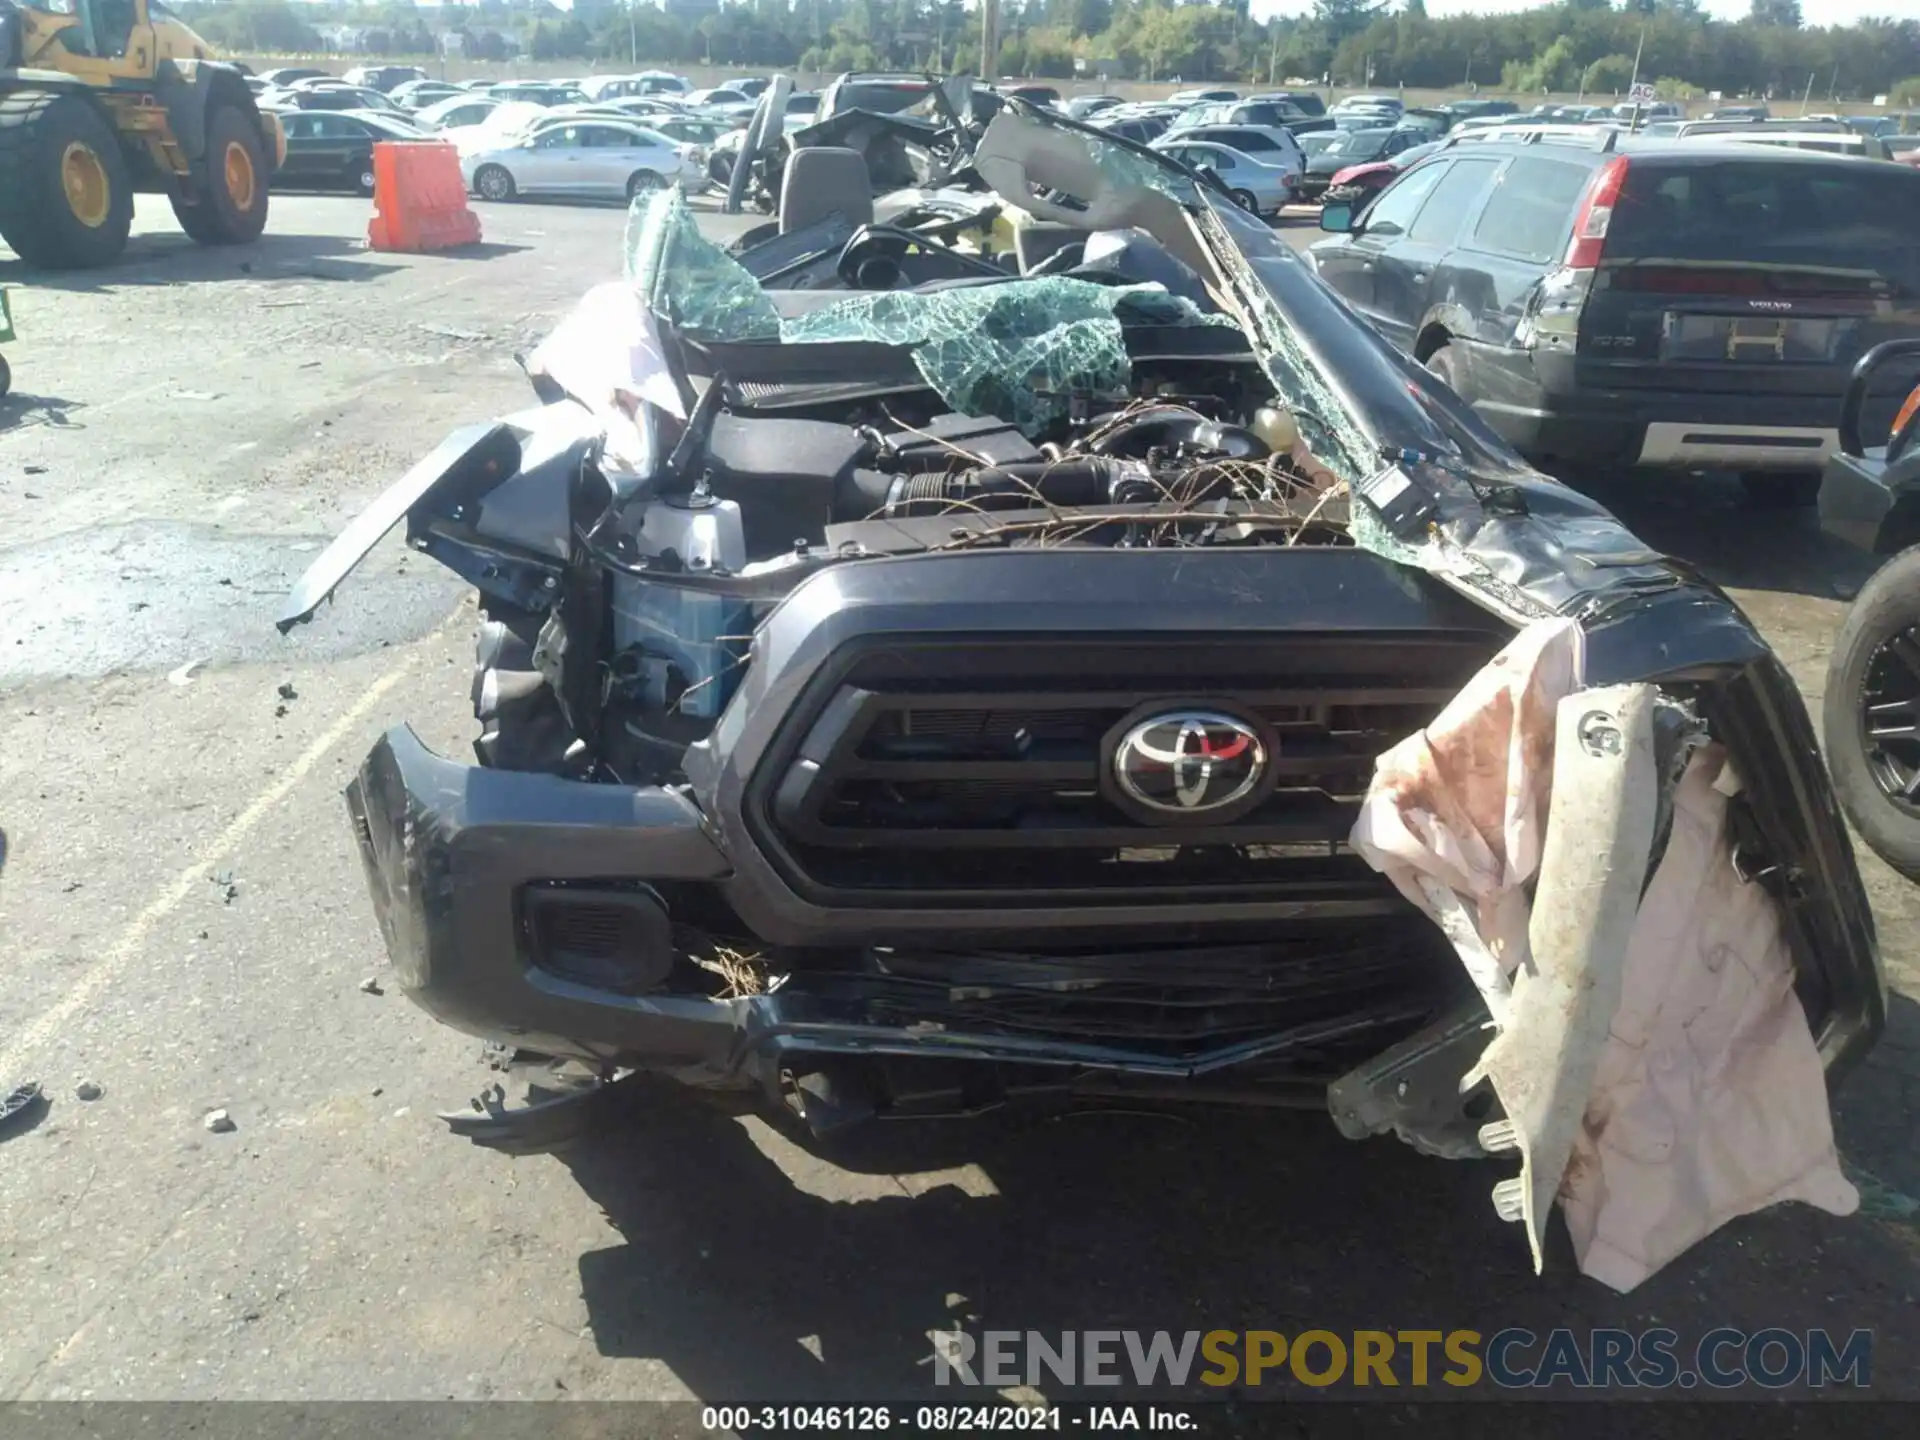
(918, 676)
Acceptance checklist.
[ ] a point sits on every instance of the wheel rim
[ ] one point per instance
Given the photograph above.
(366, 181)
(84, 178)
(1247, 202)
(238, 167)
(1890, 718)
(493, 184)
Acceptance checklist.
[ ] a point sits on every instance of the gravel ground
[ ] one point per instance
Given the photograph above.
(185, 927)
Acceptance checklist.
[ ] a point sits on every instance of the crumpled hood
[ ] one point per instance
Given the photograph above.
(1435, 488)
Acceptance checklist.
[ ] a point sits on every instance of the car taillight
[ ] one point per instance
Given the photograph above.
(1907, 409)
(1596, 214)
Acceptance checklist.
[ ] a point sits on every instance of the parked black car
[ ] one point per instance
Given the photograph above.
(1467, 109)
(1309, 102)
(332, 150)
(822, 770)
(384, 78)
(1871, 498)
(1613, 302)
(1355, 147)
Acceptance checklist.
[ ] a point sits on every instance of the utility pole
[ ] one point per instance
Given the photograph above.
(1634, 83)
(989, 40)
(633, 36)
(1273, 59)
(1807, 97)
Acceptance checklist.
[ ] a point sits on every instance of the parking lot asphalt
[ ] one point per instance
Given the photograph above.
(184, 924)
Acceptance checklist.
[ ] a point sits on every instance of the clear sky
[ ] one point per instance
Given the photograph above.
(1822, 12)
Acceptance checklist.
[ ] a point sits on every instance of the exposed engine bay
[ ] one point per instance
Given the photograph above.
(766, 482)
(851, 418)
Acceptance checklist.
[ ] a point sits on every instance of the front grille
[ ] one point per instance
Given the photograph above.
(1312, 989)
(954, 773)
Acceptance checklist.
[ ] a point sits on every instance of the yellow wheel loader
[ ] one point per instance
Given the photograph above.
(103, 98)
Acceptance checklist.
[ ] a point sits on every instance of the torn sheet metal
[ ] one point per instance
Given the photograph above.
(1017, 348)
(1655, 1067)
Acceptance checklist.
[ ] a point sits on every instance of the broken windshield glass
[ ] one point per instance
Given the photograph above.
(1016, 348)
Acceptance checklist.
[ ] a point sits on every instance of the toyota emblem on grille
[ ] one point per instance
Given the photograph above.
(1189, 762)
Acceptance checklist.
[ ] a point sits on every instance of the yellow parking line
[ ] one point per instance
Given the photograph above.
(19, 1047)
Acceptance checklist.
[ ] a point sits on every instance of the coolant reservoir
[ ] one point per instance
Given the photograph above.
(1276, 427)
(672, 633)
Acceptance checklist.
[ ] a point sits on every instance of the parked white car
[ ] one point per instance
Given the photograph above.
(456, 112)
(723, 101)
(1261, 188)
(506, 125)
(1201, 97)
(1269, 144)
(583, 158)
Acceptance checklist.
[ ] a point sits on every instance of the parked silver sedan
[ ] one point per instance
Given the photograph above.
(584, 158)
(1263, 189)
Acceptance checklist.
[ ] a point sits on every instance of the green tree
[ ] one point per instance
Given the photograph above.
(1341, 18)
(1777, 12)
(1610, 74)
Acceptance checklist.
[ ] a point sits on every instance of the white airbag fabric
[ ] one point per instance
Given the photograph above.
(1709, 1100)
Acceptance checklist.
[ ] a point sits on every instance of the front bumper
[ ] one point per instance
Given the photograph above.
(452, 853)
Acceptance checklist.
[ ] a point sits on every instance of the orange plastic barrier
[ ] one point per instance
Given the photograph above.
(419, 197)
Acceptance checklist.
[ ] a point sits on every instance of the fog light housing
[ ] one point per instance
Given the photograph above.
(616, 940)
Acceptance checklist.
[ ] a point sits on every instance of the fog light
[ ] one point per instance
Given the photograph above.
(618, 940)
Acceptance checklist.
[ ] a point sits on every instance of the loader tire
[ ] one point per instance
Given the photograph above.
(230, 206)
(66, 200)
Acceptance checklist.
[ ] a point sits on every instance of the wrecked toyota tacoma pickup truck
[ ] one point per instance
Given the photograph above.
(950, 685)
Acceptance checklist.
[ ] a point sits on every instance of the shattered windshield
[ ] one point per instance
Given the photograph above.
(1019, 349)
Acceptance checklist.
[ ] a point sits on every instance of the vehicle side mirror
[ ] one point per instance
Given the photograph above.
(1337, 217)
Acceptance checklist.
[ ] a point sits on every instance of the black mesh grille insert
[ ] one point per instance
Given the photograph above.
(942, 773)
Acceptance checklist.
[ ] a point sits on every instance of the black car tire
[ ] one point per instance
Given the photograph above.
(1244, 199)
(1775, 491)
(1442, 364)
(644, 182)
(1888, 606)
(360, 175)
(230, 206)
(37, 131)
(493, 182)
